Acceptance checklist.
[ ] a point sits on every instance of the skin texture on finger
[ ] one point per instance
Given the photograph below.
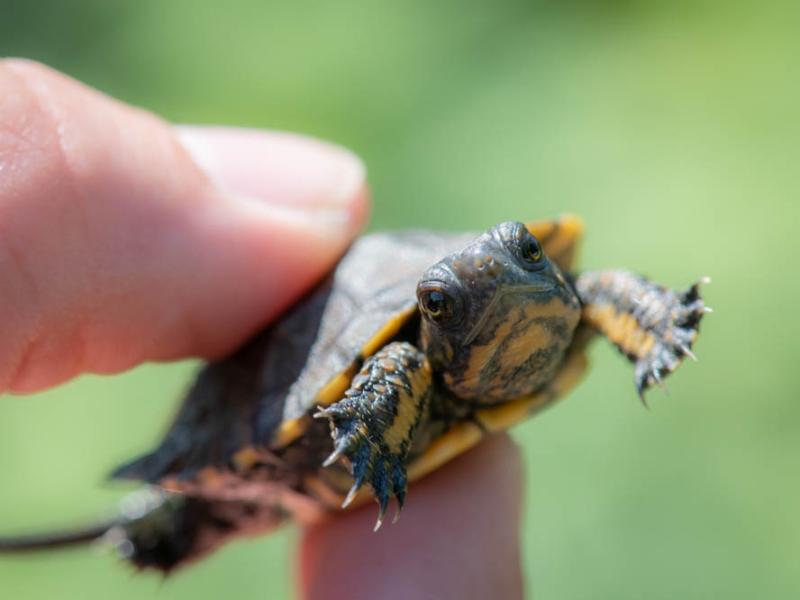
(122, 240)
(458, 537)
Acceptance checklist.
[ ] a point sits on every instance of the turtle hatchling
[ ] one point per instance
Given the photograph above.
(414, 348)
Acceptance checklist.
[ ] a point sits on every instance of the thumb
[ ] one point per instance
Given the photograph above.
(123, 239)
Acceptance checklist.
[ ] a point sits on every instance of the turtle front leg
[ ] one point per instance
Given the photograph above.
(373, 426)
(654, 326)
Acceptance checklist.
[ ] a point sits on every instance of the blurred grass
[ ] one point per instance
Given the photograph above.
(672, 128)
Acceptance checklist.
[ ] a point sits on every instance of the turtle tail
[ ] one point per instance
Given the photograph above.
(159, 530)
(56, 540)
(176, 529)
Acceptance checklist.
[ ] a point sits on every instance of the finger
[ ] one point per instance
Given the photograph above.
(458, 537)
(123, 241)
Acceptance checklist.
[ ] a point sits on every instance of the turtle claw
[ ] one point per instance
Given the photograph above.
(660, 382)
(674, 328)
(334, 456)
(687, 352)
(380, 487)
(351, 495)
(371, 462)
(381, 514)
(401, 499)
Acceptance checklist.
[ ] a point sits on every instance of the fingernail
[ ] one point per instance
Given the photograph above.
(277, 168)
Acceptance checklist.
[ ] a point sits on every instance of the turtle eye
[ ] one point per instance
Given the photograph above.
(436, 304)
(522, 245)
(531, 250)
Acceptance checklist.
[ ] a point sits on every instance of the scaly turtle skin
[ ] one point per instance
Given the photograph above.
(413, 349)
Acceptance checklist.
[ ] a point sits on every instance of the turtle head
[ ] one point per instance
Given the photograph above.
(497, 316)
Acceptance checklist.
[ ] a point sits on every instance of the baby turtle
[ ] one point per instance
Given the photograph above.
(415, 347)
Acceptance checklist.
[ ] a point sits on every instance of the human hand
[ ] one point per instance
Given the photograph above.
(125, 240)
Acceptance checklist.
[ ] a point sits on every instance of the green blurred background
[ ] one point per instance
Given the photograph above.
(672, 128)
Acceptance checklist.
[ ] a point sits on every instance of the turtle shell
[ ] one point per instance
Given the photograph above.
(261, 397)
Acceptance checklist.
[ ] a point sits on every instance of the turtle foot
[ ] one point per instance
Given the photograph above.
(374, 425)
(371, 461)
(653, 325)
(673, 321)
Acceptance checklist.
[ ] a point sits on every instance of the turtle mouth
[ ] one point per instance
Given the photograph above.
(528, 288)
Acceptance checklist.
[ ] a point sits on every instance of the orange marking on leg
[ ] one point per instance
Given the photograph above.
(621, 328)
(409, 406)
